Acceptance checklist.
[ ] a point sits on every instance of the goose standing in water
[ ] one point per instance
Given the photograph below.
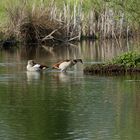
(64, 65)
(32, 66)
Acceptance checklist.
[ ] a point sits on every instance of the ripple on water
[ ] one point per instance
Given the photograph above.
(132, 80)
(8, 64)
(6, 77)
(12, 77)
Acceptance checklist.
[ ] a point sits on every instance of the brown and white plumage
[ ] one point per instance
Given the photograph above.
(64, 65)
(32, 66)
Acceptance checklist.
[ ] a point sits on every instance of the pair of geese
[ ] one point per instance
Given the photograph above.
(62, 65)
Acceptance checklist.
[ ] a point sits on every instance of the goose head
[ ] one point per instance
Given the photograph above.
(74, 61)
(80, 60)
(31, 62)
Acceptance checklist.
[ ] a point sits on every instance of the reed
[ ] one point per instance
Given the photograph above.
(41, 22)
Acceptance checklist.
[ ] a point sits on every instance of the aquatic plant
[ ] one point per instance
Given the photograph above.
(125, 63)
(128, 59)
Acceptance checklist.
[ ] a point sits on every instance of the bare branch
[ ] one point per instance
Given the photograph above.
(50, 35)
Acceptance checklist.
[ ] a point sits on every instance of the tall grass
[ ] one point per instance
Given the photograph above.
(63, 21)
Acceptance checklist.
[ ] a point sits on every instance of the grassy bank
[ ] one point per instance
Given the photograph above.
(127, 63)
(64, 21)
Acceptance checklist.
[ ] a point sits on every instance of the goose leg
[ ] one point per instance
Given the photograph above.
(63, 70)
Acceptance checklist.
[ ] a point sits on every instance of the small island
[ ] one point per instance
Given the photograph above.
(127, 63)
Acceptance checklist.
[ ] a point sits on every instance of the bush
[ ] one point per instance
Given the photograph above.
(128, 59)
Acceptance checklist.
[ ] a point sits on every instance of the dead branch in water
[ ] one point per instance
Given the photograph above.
(73, 38)
(49, 36)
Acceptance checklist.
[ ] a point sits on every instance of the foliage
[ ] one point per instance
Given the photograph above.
(125, 63)
(128, 59)
(130, 8)
(81, 18)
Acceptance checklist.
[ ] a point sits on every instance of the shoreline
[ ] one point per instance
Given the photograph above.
(101, 69)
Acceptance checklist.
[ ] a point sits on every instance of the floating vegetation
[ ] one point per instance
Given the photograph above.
(126, 63)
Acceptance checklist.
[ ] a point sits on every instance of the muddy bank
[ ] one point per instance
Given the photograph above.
(8, 43)
(110, 69)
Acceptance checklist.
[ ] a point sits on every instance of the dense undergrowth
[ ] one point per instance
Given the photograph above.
(64, 21)
(128, 59)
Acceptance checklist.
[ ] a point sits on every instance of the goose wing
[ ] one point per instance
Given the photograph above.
(56, 66)
(39, 66)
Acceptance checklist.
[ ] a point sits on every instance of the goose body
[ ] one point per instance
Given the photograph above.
(32, 66)
(64, 65)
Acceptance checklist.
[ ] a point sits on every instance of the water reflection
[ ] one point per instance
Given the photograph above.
(58, 106)
(32, 76)
(88, 51)
(61, 77)
(84, 108)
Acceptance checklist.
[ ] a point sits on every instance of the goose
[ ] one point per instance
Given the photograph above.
(65, 64)
(32, 66)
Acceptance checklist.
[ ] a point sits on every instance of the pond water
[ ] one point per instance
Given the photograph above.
(67, 106)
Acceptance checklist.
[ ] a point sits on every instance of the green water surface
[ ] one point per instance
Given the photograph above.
(66, 106)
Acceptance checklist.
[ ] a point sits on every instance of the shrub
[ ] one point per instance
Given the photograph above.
(128, 59)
